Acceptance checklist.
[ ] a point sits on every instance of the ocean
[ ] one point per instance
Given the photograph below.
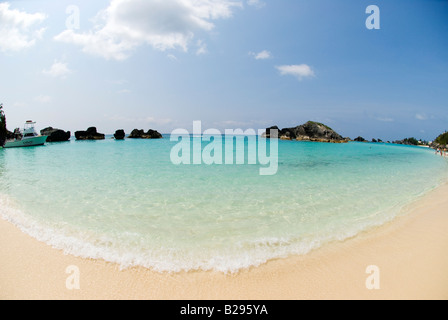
(127, 202)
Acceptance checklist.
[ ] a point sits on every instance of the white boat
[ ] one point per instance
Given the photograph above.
(27, 138)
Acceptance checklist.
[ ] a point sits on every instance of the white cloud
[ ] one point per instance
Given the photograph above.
(299, 71)
(162, 121)
(421, 116)
(384, 119)
(58, 70)
(256, 3)
(263, 55)
(380, 117)
(172, 57)
(162, 24)
(19, 104)
(202, 47)
(119, 82)
(17, 28)
(43, 99)
(141, 121)
(124, 91)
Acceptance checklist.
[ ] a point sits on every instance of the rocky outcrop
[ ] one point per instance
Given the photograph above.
(119, 135)
(436, 145)
(268, 135)
(136, 134)
(408, 142)
(141, 134)
(360, 139)
(90, 134)
(55, 135)
(310, 131)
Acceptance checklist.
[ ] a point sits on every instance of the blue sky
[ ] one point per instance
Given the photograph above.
(231, 64)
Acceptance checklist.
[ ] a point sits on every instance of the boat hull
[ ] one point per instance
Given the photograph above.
(30, 142)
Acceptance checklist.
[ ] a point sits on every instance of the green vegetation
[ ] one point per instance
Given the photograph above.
(3, 131)
(411, 141)
(321, 124)
(442, 139)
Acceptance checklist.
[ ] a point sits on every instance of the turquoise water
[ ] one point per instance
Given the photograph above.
(125, 202)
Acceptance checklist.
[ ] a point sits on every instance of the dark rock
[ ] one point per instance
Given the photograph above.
(136, 134)
(152, 134)
(140, 134)
(90, 134)
(92, 131)
(360, 139)
(310, 131)
(374, 140)
(119, 135)
(55, 135)
(267, 134)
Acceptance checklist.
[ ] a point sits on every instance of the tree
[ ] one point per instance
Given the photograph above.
(410, 141)
(3, 131)
(442, 139)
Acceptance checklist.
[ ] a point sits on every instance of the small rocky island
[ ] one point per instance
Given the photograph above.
(141, 134)
(119, 134)
(55, 135)
(360, 139)
(310, 131)
(90, 134)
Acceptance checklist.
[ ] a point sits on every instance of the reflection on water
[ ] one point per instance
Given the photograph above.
(2, 161)
(27, 160)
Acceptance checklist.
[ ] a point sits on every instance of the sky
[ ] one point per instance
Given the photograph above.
(162, 64)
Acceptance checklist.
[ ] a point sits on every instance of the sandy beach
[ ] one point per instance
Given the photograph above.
(409, 252)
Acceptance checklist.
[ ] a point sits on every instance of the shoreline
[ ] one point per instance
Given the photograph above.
(410, 253)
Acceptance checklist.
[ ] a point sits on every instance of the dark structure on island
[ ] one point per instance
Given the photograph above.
(90, 134)
(310, 131)
(55, 135)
